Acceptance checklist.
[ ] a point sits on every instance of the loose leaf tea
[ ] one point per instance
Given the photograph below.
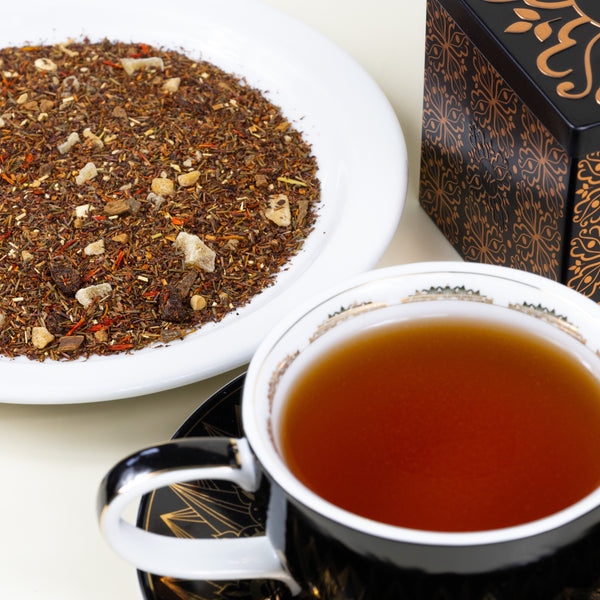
(142, 195)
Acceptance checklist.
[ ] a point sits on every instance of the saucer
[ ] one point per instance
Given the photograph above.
(207, 510)
(215, 509)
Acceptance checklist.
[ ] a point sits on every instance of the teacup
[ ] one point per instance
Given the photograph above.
(315, 536)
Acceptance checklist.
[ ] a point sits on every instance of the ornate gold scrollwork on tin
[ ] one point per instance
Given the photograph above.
(584, 267)
(492, 177)
(561, 31)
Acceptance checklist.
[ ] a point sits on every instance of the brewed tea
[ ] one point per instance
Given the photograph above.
(445, 424)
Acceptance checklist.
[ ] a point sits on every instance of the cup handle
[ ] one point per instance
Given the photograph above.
(177, 461)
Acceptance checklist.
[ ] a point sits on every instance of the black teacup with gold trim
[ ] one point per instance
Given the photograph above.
(490, 486)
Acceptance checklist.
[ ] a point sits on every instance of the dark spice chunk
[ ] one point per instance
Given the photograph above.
(104, 162)
(70, 343)
(185, 285)
(65, 277)
(55, 323)
(172, 307)
(116, 207)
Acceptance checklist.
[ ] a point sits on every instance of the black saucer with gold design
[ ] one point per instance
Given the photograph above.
(220, 509)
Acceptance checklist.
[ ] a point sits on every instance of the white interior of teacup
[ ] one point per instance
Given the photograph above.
(550, 310)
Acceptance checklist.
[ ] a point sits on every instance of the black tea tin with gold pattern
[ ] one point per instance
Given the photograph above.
(510, 157)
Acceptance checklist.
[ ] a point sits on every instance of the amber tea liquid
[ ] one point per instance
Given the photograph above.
(445, 424)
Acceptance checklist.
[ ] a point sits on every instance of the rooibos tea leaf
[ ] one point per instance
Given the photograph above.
(110, 155)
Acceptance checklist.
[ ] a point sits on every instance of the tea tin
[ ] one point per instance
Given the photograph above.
(510, 155)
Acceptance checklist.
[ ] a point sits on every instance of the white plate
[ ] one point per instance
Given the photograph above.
(354, 134)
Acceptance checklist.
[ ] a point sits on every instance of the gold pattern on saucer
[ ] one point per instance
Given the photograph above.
(559, 32)
(178, 589)
(228, 515)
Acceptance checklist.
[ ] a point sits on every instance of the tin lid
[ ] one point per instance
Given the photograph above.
(548, 51)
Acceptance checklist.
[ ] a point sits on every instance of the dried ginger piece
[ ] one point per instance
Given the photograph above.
(69, 143)
(93, 139)
(41, 337)
(279, 210)
(188, 179)
(94, 248)
(88, 172)
(130, 65)
(85, 296)
(162, 186)
(171, 85)
(196, 253)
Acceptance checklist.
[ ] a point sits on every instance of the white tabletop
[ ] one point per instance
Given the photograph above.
(53, 457)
